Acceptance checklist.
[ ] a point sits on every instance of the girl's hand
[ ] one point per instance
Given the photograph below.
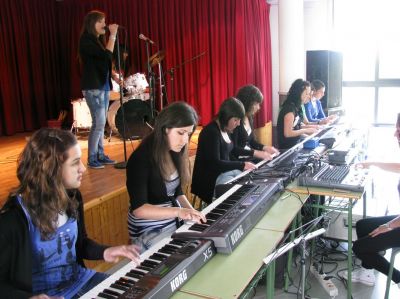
(191, 214)
(131, 252)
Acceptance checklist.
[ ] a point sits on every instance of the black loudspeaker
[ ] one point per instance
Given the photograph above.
(327, 66)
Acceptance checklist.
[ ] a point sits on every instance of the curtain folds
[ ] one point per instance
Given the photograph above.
(39, 39)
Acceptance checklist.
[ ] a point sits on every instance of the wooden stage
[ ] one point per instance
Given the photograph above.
(96, 182)
(104, 191)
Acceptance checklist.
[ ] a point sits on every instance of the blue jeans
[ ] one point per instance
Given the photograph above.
(97, 101)
(226, 176)
(94, 281)
(151, 237)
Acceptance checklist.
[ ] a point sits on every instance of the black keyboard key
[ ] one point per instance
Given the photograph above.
(158, 257)
(213, 216)
(178, 242)
(106, 296)
(149, 264)
(118, 286)
(219, 211)
(126, 281)
(111, 292)
(134, 275)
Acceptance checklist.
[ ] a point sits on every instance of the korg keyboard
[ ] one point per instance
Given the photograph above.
(333, 136)
(229, 221)
(324, 131)
(341, 177)
(165, 268)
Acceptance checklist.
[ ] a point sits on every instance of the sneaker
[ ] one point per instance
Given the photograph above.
(105, 160)
(95, 164)
(362, 275)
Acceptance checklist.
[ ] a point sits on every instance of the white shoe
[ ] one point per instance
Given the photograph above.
(362, 275)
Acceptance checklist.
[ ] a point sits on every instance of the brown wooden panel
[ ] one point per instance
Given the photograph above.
(264, 134)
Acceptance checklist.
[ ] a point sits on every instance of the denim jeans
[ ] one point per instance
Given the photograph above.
(151, 237)
(97, 101)
(226, 176)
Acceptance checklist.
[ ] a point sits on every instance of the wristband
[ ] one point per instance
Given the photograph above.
(387, 225)
(112, 37)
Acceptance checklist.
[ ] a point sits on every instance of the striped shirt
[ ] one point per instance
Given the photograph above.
(137, 226)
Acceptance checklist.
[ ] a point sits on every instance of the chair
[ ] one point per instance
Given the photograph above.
(192, 197)
(395, 251)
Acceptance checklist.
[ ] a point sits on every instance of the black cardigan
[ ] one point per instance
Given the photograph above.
(96, 62)
(143, 179)
(16, 252)
(212, 159)
(240, 139)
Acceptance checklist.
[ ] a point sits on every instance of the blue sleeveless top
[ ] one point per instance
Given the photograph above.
(55, 271)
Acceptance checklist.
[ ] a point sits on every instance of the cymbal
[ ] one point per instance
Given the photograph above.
(156, 58)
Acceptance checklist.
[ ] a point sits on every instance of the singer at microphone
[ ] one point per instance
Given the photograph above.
(119, 27)
(95, 56)
(145, 38)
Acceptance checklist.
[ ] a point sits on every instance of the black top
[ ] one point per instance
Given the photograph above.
(212, 159)
(16, 251)
(96, 63)
(288, 142)
(143, 178)
(240, 139)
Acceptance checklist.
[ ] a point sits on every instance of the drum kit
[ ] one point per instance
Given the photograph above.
(138, 101)
(136, 105)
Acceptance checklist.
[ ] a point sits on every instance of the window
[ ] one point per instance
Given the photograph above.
(366, 32)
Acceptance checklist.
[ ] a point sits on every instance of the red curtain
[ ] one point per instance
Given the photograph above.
(39, 39)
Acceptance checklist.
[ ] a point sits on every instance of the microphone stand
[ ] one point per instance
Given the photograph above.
(171, 71)
(151, 80)
(306, 235)
(163, 91)
(121, 165)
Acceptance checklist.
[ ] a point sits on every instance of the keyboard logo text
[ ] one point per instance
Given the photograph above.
(178, 280)
(208, 253)
(236, 235)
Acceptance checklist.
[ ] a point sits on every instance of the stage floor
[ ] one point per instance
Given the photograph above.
(95, 183)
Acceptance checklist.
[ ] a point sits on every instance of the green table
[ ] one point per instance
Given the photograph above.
(226, 276)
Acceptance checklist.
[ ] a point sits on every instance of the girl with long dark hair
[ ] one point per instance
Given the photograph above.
(156, 170)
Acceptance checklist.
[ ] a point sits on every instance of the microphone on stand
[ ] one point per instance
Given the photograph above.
(145, 38)
(119, 27)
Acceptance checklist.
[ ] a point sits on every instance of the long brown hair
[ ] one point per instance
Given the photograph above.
(41, 186)
(249, 95)
(175, 115)
(88, 27)
(230, 107)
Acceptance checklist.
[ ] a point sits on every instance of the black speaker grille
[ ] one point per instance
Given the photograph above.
(327, 66)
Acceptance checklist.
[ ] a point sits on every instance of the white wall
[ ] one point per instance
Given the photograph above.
(273, 19)
(318, 35)
(318, 25)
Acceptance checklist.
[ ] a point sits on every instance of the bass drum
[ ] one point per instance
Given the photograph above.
(81, 114)
(112, 111)
(138, 119)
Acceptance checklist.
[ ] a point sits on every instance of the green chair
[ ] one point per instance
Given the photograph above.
(395, 251)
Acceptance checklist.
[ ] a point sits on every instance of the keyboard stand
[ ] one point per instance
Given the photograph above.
(350, 197)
